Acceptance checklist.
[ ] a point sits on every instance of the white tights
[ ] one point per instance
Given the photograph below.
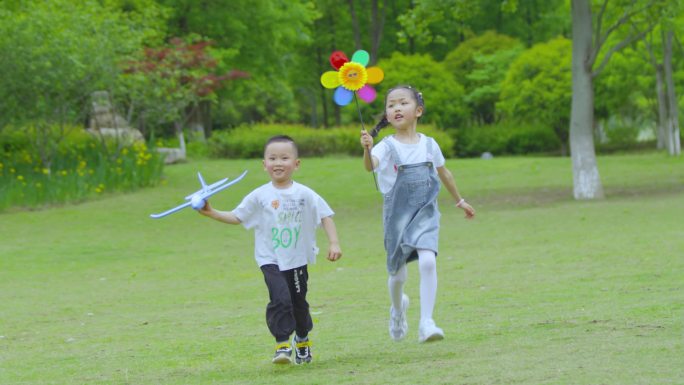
(427, 265)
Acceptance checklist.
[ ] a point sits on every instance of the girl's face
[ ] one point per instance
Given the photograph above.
(280, 161)
(401, 109)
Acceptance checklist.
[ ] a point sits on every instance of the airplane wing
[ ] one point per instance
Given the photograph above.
(173, 210)
(225, 186)
(202, 194)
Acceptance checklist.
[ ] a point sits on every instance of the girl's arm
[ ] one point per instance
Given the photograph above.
(221, 216)
(369, 161)
(448, 181)
(334, 251)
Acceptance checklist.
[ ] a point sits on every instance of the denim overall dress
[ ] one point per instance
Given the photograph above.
(410, 212)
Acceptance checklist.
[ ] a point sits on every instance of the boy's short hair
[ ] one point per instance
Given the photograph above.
(282, 139)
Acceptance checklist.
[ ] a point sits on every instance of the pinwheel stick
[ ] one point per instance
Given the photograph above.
(358, 108)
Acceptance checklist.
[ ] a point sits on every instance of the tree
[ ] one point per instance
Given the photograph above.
(170, 83)
(443, 96)
(588, 40)
(672, 136)
(537, 87)
(261, 37)
(56, 53)
(480, 64)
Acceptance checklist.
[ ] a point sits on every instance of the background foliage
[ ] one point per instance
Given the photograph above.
(495, 74)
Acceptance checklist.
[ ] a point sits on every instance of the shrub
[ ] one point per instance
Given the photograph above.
(248, 141)
(81, 167)
(502, 139)
(444, 96)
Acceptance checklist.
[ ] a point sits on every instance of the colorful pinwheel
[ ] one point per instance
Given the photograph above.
(351, 76)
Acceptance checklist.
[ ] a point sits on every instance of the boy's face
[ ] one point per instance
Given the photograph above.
(280, 161)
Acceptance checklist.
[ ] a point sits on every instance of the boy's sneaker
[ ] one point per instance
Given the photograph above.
(302, 350)
(428, 331)
(283, 353)
(398, 326)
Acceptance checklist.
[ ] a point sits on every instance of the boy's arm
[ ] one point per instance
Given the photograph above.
(448, 181)
(221, 216)
(334, 251)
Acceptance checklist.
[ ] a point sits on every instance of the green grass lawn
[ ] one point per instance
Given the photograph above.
(538, 289)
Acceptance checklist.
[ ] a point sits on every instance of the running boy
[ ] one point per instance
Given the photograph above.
(284, 215)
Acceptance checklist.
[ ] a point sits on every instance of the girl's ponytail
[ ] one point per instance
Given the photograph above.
(381, 124)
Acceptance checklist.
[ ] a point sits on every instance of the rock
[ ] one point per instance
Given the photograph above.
(105, 122)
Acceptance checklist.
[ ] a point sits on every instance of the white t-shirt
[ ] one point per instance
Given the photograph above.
(284, 223)
(408, 154)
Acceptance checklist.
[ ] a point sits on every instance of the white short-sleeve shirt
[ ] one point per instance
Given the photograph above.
(284, 223)
(408, 154)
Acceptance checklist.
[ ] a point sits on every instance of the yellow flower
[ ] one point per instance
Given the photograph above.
(63, 173)
(352, 76)
(20, 178)
(46, 171)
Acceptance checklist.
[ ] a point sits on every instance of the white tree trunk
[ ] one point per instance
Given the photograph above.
(662, 107)
(672, 124)
(586, 178)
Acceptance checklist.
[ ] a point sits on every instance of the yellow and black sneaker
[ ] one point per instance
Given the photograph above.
(283, 353)
(302, 350)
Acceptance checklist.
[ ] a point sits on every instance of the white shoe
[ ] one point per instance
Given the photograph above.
(398, 326)
(428, 331)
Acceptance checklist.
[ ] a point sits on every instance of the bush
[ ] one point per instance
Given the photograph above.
(444, 97)
(502, 139)
(79, 167)
(248, 141)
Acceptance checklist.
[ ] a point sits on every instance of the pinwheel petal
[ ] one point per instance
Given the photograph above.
(343, 96)
(360, 57)
(337, 59)
(330, 79)
(375, 75)
(367, 93)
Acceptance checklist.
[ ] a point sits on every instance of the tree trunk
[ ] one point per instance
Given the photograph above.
(205, 112)
(410, 39)
(672, 125)
(377, 26)
(355, 25)
(662, 107)
(586, 178)
(194, 122)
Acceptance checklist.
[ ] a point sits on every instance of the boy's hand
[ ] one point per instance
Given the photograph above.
(334, 252)
(206, 210)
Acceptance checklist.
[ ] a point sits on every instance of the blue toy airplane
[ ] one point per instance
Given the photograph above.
(198, 198)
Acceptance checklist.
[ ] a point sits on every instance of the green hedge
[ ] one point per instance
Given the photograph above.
(248, 141)
(516, 139)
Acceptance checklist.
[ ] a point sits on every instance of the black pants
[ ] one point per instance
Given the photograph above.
(287, 310)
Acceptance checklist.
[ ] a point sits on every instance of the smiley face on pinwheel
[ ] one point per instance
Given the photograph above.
(352, 76)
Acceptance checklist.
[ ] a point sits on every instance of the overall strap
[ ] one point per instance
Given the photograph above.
(394, 154)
